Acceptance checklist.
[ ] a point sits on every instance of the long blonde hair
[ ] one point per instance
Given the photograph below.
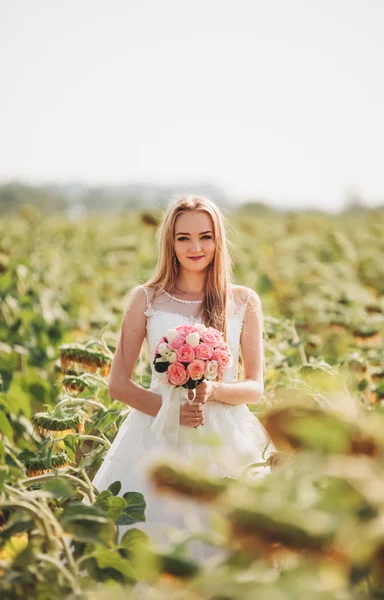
(218, 292)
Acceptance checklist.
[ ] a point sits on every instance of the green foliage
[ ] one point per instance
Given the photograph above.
(312, 528)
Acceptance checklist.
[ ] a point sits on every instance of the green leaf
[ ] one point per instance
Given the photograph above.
(116, 505)
(107, 419)
(4, 472)
(59, 488)
(17, 397)
(111, 559)
(115, 487)
(179, 566)
(87, 523)
(5, 426)
(18, 522)
(102, 499)
(133, 538)
(134, 510)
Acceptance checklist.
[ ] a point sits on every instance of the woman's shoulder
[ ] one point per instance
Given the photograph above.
(139, 295)
(245, 299)
(242, 293)
(143, 288)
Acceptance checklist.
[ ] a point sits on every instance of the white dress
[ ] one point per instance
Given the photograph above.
(242, 436)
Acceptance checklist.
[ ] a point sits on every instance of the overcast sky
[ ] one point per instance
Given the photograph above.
(274, 99)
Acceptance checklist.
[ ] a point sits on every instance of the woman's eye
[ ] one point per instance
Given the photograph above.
(181, 239)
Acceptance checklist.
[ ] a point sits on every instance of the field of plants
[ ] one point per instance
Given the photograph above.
(313, 528)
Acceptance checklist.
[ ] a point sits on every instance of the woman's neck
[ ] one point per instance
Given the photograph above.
(191, 284)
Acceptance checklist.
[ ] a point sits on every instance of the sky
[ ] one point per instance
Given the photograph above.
(277, 100)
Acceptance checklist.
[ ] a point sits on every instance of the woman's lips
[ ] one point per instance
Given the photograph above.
(195, 257)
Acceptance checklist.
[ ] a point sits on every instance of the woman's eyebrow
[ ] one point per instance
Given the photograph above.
(183, 233)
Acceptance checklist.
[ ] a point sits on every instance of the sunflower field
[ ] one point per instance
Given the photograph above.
(312, 528)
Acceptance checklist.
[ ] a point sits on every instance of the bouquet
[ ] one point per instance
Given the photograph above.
(184, 357)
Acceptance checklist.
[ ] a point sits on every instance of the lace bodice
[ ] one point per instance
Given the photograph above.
(166, 311)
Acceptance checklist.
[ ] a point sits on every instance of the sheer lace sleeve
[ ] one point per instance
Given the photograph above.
(160, 301)
(244, 307)
(241, 299)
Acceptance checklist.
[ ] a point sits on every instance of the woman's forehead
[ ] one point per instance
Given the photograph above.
(193, 222)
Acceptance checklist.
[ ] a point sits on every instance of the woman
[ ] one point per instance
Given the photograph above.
(191, 284)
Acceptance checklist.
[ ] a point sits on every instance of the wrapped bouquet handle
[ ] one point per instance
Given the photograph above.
(167, 420)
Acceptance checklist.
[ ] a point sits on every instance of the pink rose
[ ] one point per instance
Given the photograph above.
(159, 344)
(196, 369)
(177, 374)
(177, 342)
(222, 346)
(210, 336)
(218, 334)
(186, 353)
(204, 351)
(224, 359)
(185, 330)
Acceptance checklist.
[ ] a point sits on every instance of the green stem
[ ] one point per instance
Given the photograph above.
(57, 532)
(96, 439)
(59, 535)
(91, 495)
(301, 347)
(85, 437)
(101, 344)
(31, 509)
(81, 401)
(97, 378)
(47, 476)
(83, 559)
(265, 449)
(67, 574)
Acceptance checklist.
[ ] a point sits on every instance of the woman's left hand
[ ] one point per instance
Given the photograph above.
(204, 392)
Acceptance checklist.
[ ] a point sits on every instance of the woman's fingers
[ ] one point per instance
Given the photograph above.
(202, 391)
(198, 398)
(192, 415)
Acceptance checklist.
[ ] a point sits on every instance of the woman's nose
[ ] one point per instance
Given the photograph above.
(195, 245)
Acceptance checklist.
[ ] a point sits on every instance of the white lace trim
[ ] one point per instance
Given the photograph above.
(180, 300)
(147, 297)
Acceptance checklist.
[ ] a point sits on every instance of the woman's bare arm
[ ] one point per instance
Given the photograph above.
(251, 388)
(132, 335)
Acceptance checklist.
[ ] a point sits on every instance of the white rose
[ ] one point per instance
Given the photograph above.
(211, 369)
(193, 339)
(171, 334)
(200, 327)
(163, 349)
(171, 356)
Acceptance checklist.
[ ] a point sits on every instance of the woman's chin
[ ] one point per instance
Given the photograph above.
(194, 265)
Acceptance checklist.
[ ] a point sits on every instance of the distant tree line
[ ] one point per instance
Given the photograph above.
(61, 198)
(15, 195)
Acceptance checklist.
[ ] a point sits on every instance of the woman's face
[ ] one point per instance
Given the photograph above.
(194, 237)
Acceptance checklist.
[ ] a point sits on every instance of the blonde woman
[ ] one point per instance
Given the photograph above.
(191, 284)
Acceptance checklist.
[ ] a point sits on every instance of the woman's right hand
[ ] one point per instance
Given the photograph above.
(192, 415)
